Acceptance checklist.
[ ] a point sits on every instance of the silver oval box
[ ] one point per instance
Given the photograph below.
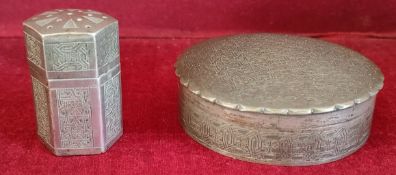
(277, 99)
(74, 62)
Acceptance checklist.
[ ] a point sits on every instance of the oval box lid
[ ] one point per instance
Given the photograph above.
(278, 74)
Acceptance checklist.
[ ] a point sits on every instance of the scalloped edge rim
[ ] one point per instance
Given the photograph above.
(283, 111)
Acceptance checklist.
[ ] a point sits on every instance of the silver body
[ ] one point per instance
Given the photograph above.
(75, 67)
(277, 99)
(292, 140)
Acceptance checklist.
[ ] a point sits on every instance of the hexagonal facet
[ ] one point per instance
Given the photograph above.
(75, 66)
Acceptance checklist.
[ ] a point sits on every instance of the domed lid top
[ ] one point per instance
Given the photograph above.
(69, 20)
(278, 74)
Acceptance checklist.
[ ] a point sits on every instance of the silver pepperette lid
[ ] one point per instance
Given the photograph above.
(69, 20)
(72, 43)
(275, 74)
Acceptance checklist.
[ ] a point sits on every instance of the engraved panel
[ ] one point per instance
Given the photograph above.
(75, 117)
(112, 108)
(108, 42)
(303, 146)
(33, 47)
(68, 57)
(41, 105)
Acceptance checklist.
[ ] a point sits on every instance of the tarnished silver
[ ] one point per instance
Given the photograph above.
(75, 67)
(277, 99)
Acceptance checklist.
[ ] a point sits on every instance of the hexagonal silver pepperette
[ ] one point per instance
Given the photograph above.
(75, 66)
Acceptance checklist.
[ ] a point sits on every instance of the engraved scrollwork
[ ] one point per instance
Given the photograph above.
(33, 49)
(74, 110)
(66, 57)
(285, 148)
(108, 41)
(313, 145)
(112, 105)
(41, 105)
(265, 144)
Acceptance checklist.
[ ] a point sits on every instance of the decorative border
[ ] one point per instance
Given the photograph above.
(218, 130)
(75, 117)
(41, 105)
(112, 108)
(69, 56)
(34, 51)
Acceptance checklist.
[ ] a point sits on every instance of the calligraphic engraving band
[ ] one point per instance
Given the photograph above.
(266, 138)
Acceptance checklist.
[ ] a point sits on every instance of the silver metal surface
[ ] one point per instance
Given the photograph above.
(277, 99)
(75, 66)
(277, 74)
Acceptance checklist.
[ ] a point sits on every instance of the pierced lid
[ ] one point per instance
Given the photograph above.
(69, 20)
(278, 74)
